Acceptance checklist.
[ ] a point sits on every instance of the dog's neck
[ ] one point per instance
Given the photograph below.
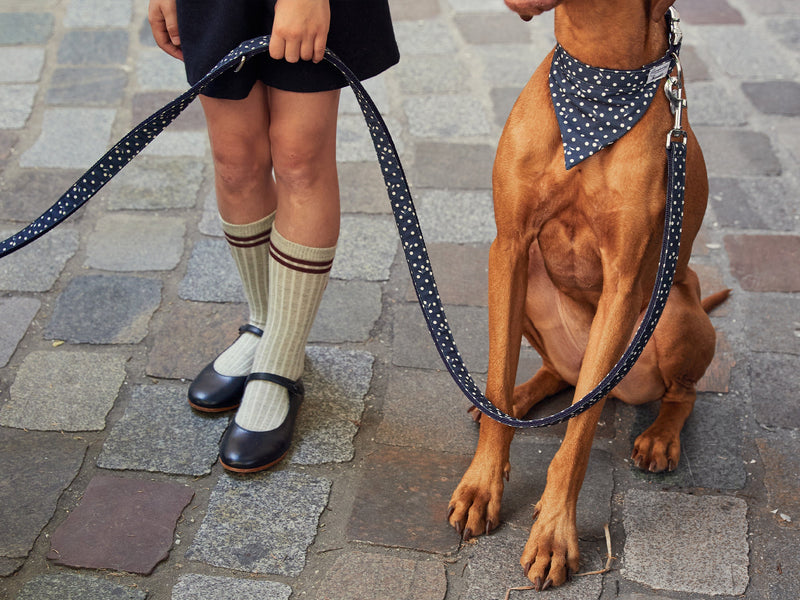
(611, 34)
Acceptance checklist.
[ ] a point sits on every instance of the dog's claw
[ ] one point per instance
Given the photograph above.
(527, 568)
(458, 527)
(548, 582)
(671, 466)
(467, 534)
(450, 511)
(537, 584)
(489, 526)
(535, 513)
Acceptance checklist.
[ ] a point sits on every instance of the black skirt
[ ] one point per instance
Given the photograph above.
(360, 34)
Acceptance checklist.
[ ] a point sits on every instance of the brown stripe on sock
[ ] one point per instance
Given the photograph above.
(303, 266)
(249, 241)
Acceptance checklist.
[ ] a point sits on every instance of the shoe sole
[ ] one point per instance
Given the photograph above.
(254, 469)
(205, 409)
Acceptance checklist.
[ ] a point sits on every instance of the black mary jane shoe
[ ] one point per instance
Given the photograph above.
(245, 451)
(212, 392)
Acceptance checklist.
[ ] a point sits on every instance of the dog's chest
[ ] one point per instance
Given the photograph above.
(569, 250)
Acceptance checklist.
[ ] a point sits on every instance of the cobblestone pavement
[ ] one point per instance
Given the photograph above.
(110, 486)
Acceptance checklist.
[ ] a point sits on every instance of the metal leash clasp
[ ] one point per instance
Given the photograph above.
(677, 103)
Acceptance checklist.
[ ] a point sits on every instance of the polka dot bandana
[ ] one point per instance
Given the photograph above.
(596, 107)
(408, 227)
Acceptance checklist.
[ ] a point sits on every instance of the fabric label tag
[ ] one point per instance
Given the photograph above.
(658, 72)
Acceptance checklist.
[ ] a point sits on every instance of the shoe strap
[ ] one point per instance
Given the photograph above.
(248, 328)
(294, 387)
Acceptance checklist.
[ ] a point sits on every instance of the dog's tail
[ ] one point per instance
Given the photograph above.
(711, 302)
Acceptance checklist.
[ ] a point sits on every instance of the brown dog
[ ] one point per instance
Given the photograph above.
(572, 269)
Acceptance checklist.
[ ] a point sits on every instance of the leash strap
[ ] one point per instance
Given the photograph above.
(407, 225)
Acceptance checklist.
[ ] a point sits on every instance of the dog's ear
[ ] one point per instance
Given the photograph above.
(658, 8)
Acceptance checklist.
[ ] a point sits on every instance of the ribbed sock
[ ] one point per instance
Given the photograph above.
(297, 279)
(249, 244)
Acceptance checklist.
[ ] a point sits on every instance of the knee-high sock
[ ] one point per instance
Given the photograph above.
(249, 246)
(297, 279)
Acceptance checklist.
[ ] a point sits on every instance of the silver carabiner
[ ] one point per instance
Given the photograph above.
(674, 90)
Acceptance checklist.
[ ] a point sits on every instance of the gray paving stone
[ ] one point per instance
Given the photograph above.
(774, 97)
(711, 445)
(21, 64)
(503, 99)
(43, 465)
(414, 10)
(362, 575)
(511, 65)
(362, 188)
(461, 272)
(156, 70)
(211, 275)
(179, 143)
(27, 193)
(492, 28)
(424, 409)
(494, 567)
(377, 90)
(414, 347)
(446, 116)
(471, 6)
(771, 323)
(261, 524)
(460, 217)
(16, 101)
(711, 104)
(71, 138)
(151, 183)
(64, 391)
(36, 267)
(205, 587)
(353, 142)
(660, 526)
(753, 203)
(424, 37)
(348, 312)
(99, 47)
(86, 86)
(785, 31)
(745, 54)
(431, 74)
(779, 451)
(18, 312)
(453, 166)
(128, 242)
(775, 379)
(58, 586)
(159, 432)
(25, 28)
(9, 566)
(104, 309)
(336, 382)
(366, 249)
(97, 13)
(737, 153)
(210, 224)
(144, 104)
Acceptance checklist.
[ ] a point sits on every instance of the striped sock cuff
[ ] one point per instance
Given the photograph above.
(249, 235)
(300, 258)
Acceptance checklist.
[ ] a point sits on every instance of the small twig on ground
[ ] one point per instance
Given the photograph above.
(517, 589)
(611, 558)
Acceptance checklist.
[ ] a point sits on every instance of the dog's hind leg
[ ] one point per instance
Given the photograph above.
(658, 448)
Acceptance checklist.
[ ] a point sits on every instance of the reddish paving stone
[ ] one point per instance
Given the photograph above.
(120, 524)
(462, 274)
(188, 335)
(402, 500)
(709, 12)
(453, 166)
(737, 152)
(765, 263)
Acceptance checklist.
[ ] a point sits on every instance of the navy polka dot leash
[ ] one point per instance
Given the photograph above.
(407, 225)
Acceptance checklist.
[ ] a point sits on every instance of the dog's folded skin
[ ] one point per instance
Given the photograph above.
(571, 269)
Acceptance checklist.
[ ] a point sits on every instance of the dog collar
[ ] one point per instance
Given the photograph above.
(595, 107)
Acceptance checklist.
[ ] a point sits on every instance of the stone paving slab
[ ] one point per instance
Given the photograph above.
(366, 248)
(353, 141)
(205, 587)
(43, 465)
(446, 115)
(737, 152)
(71, 138)
(664, 524)
(348, 312)
(211, 274)
(93, 47)
(36, 267)
(460, 217)
(362, 188)
(104, 309)
(754, 203)
(120, 524)
(86, 86)
(17, 102)
(159, 432)
(25, 28)
(27, 193)
(76, 586)
(18, 312)
(64, 391)
(494, 568)
(401, 500)
(261, 524)
(96, 13)
(363, 576)
(453, 166)
(150, 183)
(771, 323)
(336, 382)
(462, 274)
(21, 64)
(128, 242)
(430, 74)
(759, 262)
(780, 452)
(775, 379)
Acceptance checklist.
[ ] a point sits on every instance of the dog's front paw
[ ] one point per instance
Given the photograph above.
(551, 553)
(657, 450)
(475, 505)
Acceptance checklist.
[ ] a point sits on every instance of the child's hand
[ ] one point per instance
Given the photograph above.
(163, 19)
(300, 30)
